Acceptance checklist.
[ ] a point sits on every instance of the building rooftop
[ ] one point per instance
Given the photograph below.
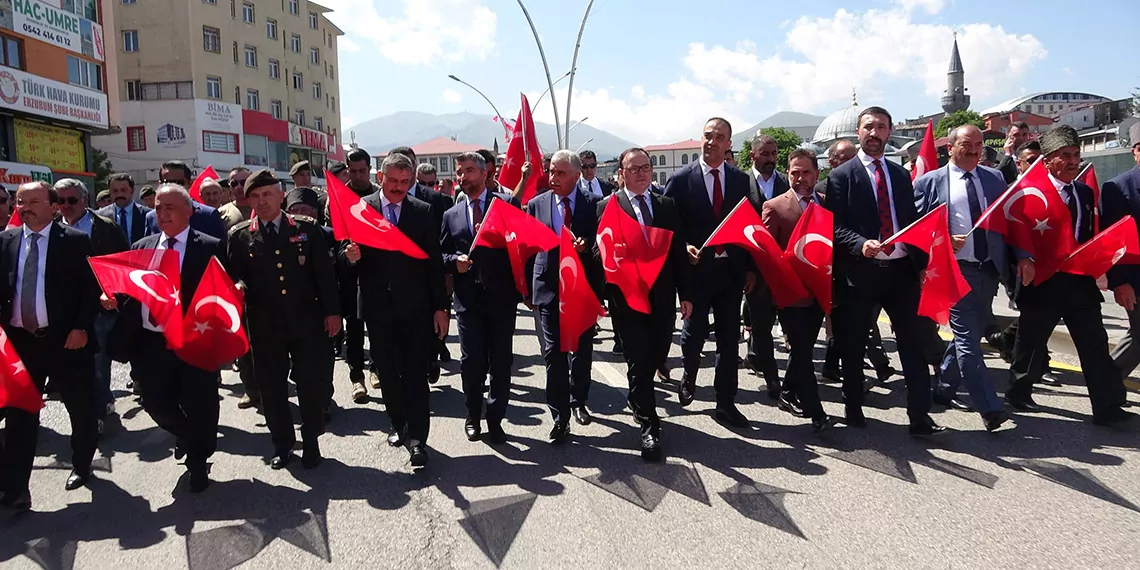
(440, 145)
(1007, 106)
(683, 145)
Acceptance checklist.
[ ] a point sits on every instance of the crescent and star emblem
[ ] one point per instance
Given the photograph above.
(749, 234)
(803, 241)
(572, 265)
(920, 166)
(1119, 254)
(608, 251)
(1031, 191)
(229, 308)
(18, 365)
(137, 278)
(357, 211)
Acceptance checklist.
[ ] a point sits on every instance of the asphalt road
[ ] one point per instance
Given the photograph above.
(1053, 491)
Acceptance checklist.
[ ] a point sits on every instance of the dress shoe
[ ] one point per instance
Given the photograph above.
(773, 388)
(19, 503)
(199, 478)
(650, 447)
(311, 457)
(472, 430)
(395, 439)
(663, 374)
(1050, 379)
(728, 414)
(179, 450)
(884, 373)
(433, 373)
(582, 415)
(1115, 417)
(993, 420)
(247, 402)
(444, 354)
(359, 392)
(560, 432)
(374, 380)
(688, 389)
(77, 479)
(789, 404)
(1022, 403)
(925, 427)
(280, 461)
(818, 425)
(618, 348)
(953, 403)
(495, 433)
(418, 455)
(855, 417)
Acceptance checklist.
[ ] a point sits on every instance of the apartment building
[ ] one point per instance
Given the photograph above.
(57, 88)
(225, 83)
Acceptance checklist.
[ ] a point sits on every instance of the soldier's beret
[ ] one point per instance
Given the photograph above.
(263, 177)
(302, 166)
(301, 195)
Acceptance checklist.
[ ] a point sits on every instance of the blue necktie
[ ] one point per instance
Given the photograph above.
(981, 245)
(392, 217)
(123, 222)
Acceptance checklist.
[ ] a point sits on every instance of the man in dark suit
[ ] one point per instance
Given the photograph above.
(205, 219)
(359, 168)
(1074, 298)
(181, 398)
(281, 262)
(485, 300)
(705, 192)
(968, 189)
(872, 198)
(589, 182)
(48, 303)
(105, 238)
(126, 213)
(648, 336)
(1121, 197)
(1018, 135)
(402, 301)
(566, 205)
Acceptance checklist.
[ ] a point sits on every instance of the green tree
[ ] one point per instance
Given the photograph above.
(744, 156)
(102, 168)
(786, 141)
(957, 119)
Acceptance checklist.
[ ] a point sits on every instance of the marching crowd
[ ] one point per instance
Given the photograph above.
(312, 292)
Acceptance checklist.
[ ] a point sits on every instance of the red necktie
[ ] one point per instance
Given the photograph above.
(567, 215)
(886, 222)
(477, 213)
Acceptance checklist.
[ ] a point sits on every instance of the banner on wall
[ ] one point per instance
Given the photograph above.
(36, 95)
(55, 147)
(13, 174)
(48, 23)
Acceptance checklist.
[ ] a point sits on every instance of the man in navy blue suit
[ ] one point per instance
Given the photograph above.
(204, 219)
(872, 198)
(1120, 197)
(129, 215)
(968, 188)
(705, 192)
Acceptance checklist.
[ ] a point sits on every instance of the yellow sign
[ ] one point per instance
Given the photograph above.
(54, 147)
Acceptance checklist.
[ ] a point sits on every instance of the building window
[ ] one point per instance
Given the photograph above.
(314, 56)
(332, 73)
(299, 117)
(695, 157)
(294, 8)
(211, 39)
(275, 109)
(250, 56)
(318, 124)
(210, 1)
(652, 160)
(214, 141)
(661, 160)
(334, 104)
(252, 100)
(271, 29)
(84, 73)
(11, 56)
(235, 53)
(168, 90)
(684, 159)
(134, 90)
(274, 69)
(298, 81)
(213, 87)
(130, 40)
(136, 139)
(316, 91)
(312, 20)
(247, 12)
(295, 43)
(128, 1)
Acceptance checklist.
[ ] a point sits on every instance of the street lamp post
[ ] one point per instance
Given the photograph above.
(574, 68)
(579, 122)
(485, 98)
(579, 149)
(546, 66)
(556, 82)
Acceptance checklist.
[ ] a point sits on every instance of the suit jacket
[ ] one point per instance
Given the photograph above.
(676, 277)
(782, 213)
(438, 201)
(395, 286)
(1071, 287)
(1121, 197)
(1008, 168)
(204, 219)
(687, 189)
(70, 289)
(489, 281)
(140, 226)
(543, 271)
(607, 188)
(779, 186)
(852, 198)
(932, 190)
(106, 237)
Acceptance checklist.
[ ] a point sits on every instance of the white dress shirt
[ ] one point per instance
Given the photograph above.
(1065, 197)
(180, 248)
(958, 204)
(637, 207)
(768, 188)
(41, 270)
(556, 210)
(593, 186)
(869, 166)
(707, 171)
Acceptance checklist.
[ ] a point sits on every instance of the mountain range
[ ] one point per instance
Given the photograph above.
(802, 123)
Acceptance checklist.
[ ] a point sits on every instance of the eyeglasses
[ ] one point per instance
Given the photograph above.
(70, 200)
(591, 166)
(643, 169)
(234, 183)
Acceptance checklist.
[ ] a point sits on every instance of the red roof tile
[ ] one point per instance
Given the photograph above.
(440, 145)
(683, 145)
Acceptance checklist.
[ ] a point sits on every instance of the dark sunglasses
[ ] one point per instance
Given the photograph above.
(70, 200)
(237, 183)
(595, 165)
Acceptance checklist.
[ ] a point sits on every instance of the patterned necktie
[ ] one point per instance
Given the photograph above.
(567, 215)
(886, 222)
(981, 243)
(717, 201)
(392, 217)
(1071, 193)
(28, 285)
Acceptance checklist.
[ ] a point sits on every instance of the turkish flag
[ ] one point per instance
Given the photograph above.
(507, 227)
(813, 263)
(632, 254)
(744, 228)
(578, 306)
(1095, 257)
(927, 159)
(195, 188)
(150, 278)
(943, 285)
(523, 148)
(1088, 176)
(354, 220)
(1033, 217)
(212, 331)
(16, 387)
(14, 221)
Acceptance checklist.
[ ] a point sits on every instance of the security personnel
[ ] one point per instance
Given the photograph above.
(302, 174)
(281, 262)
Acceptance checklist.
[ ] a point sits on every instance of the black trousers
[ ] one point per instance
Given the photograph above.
(761, 313)
(73, 373)
(245, 371)
(272, 359)
(400, 349)
(1075, 299)
(567, 374)
(802, 327)
(896, 288)
(354, 348)
(722, 296)
(180, 398)
(486, 345)
(647, 339)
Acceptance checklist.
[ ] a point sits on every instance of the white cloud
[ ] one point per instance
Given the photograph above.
(418, 32)
(821, 61)
(452, 96)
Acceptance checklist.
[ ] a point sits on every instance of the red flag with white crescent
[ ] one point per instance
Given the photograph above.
(1119, 242)
(195, 188)
(152, 278)
(943, 284)
(743, 227)
(810, 252)
(507, 227)
(632, 255)
(927, 159)
(354, 220)
(16, 387)
(212, 330)
(578, 306)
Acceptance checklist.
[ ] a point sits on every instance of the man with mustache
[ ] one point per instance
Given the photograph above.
(128, 215)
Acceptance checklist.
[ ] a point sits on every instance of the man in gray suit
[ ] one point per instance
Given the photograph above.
(967, 189)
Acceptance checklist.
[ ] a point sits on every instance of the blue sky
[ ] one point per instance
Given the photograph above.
(652, 72)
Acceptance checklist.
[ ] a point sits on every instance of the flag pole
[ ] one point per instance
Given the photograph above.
(721, 225)
(891, 239)
(989, 211)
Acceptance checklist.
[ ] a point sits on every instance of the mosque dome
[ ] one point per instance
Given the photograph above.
(842, 124)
